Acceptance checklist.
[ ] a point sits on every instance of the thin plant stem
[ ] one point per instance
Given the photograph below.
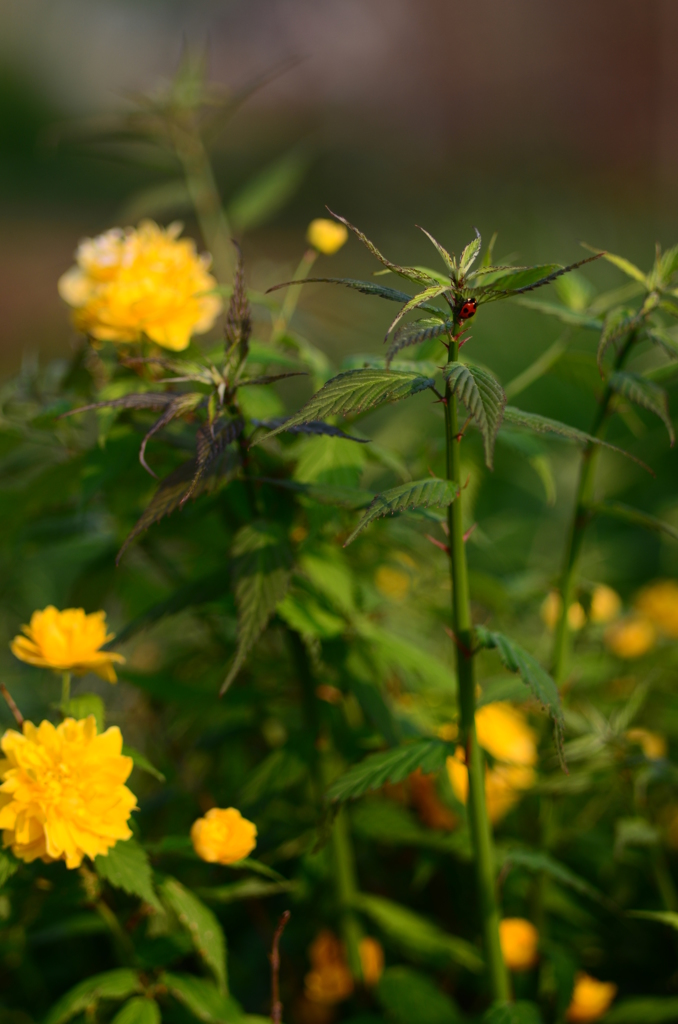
(581, 519)
(276, 1005)
(292, 294)
(481, 832)
(65, 691)
(206, 200)
(9, 699)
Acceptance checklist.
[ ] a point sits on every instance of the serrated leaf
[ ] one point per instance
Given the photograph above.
(644, 393)
(115, 985)
(664, 339)
(483, 396)
(179, 405)
(621, 263)
(389, 766)
(514, 417)
(408, 995)
(635, 516)
(355, 391)
(538, 861)
(516, 659)
(415, 303)
(246, 889)
(644, 1010)
(618, 324)
(127, 867)
(410, 273)
(265, 194)
(145, 400)
(416, 934)
(87, 704)
(202, 998)
(203, 927)
(142, 763)
(262, 561)
(414, 494)
(139, 1010)
(415, 333)
(513, 281)
(520, 1012)
(270, 378)
(567, 316)
(315, 427)
(366, 287)
(469, 254)
(445, 256)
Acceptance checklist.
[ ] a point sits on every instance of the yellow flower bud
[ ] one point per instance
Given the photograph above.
(327, 236)
(653, 744)
(371, 960)
(605, 604)
(576, 617)
(630, 637)
(223, 836)
(590, 999)
(519, 943)
(659, 603)
(67, 641)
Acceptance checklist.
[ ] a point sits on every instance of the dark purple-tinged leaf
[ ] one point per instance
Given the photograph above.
(355, 391)
(179, 405)
(144, 400)
(211, 442)
(239, 316)
(271, 378)
(314, 427)
(367, 287)
(523, 279)
(483, 396)
(644, 393)
(262, 565)
(410, 273)
(414, 494)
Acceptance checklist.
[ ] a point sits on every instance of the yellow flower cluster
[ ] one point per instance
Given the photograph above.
(504, 733)
(655, 613)
(63, 795)
(590, 999)
(519, 943)
(223, 836)
(605, 606)
(141, 282)
(67, 641)
(330, 981)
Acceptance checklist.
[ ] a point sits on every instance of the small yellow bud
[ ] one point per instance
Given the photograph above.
(371, 960)
(605, 604)
(631, 637)
(659, 603)
(327, 236)
(590, 1000)
(652, 744)
(550, 612)
(576, 617)
(519, 943)
(223, 836)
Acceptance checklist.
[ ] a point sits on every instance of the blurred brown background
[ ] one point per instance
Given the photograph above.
(550, 122)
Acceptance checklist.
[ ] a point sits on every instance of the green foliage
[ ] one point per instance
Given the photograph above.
(127, 867)
(86, 996)
(644, 393)
(407, 994)
(390, 766)
(650, 1010)
(140, 1010)
(412, 495)
(201, 998)
(203, 927)
(520, 1012)
(483, 396)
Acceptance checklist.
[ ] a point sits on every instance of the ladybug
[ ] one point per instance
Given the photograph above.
(467, 310)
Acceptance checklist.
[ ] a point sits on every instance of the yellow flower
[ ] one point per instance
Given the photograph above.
(327, 236)
(371, 960)
(392, 583)
(519, 943)
(144, 281)
(550, 612)
(653, 744)
(630, 637)
(223, 836)
(63, 795)
(659, 604)
(504, 733)
(67, 641)
(590, 999)
(605, 604)
(504, 784)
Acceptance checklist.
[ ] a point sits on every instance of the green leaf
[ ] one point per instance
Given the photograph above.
(645, 1010)
(469, 254)
(417, 935)
(202, 998)
(384, 821)
(203, 927)
(355, 391)
(445, 256)
(8, 867)
(414, 494)
(142, 763)
(618, 324)
(118, 984)
(666, 917)
(538, 861)
(517, 659)
(403, 656)
(127, 867)
(664, 339)
(415, 333)
(366, 287)
(644, 393)
(417, 301)
(628, 514)
(521, 1012)
(408, 995)
(277, 772)
(512, 278)
(262, 561)
(562, 313)
(246, 889)
(483, 396)
(268, 192)
(514, 417)
(622, 264)
(140, 1010)
(390, 766)
(410, 273)
(307, 616)
(86, 704)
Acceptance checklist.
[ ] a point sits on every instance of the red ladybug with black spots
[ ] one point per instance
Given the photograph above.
(468, 309)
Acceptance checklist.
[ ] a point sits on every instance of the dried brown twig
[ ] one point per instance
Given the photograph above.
(276, 1005)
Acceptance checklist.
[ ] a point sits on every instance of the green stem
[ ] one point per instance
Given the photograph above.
(65, 691)
(481, 832)
(292, 294)
(580, 521)
(204, 194)
(340, 841)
